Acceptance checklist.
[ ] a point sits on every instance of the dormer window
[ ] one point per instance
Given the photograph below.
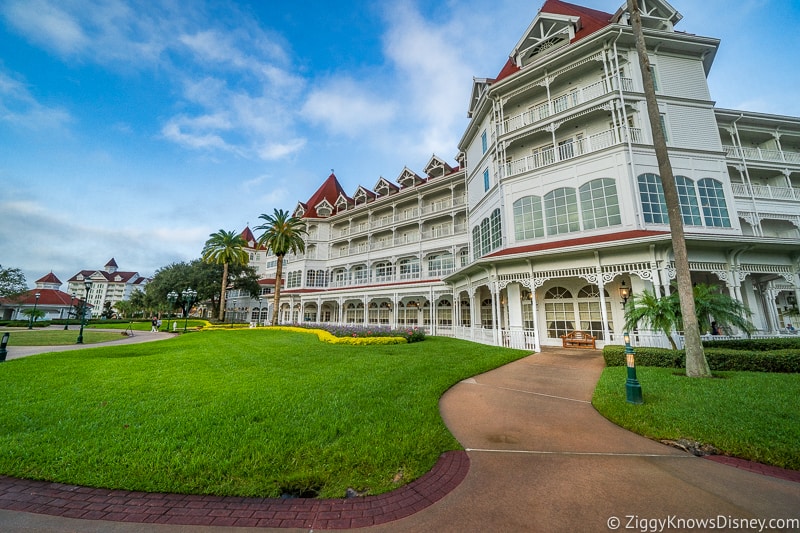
(324, 209)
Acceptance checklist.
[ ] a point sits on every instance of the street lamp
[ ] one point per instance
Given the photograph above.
(258, 318)
(71, 306)
(189, 296)
(88, 284)
(633, 390)
(624, 293)
(172, 297)
(30, 323)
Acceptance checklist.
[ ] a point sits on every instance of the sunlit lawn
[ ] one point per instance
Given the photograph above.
(752, 415)
(240, 412)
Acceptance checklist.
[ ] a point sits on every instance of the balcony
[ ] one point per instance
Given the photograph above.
(562, 103)
(765, 192)
(566, 151)
(762, 154)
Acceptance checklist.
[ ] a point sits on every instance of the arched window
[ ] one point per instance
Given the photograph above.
(651, 194)
(528, 218)
(360, 274)
(409, 268)
(466, 319)
(590, 315)
(496, 229)
(444, 313)
(687, 197)
(712, 198)
(486, 237)
(599, 204)
(384, 271)
(441, 264)
(559, 312)
(476, 243)
(486, 314)
(561, 211)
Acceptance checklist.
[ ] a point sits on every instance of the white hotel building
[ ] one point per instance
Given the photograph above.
(556, 203)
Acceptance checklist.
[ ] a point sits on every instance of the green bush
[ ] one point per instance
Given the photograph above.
(786, 360)
(756, 345)
(24, 323)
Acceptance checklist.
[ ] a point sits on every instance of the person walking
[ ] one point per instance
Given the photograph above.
(154, 325)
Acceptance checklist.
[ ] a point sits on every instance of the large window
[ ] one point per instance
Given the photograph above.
(487, 236)
(712, 198)
(444, 313)
(561, 211)
(383, 271)
(559, 312)
(496, 230)
(599, 204)
(528, 218)
(409, 268)
(440, 264)
(688, 200)
(654, 206)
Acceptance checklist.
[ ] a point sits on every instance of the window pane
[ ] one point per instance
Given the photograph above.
(712, 198)
(654, 206)
(599, 204)
(561, 211)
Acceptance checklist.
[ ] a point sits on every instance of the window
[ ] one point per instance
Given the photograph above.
(476, 243)
(440, 264)
(486, 180)
(466, 320)
(654, 75)
(561, 211)
(486, 314)
(497, 233)
(712, 198)
(651, 194)
(484, 142)
(559, 312)
(687, 198)
(662, 120)
(409, 268)
(383, 271)
(488, 235)
(528, 218)
(444, 313)
(486, 242)
(599, 204)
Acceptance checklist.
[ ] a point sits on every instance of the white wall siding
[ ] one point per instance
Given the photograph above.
(693, 127)
(682, 77)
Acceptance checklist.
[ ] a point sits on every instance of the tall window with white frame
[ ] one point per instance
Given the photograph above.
(486, 179)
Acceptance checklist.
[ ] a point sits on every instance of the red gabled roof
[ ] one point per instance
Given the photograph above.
(580, 241)
(47, 298)
(112, 263)
(247, 235)
(591, 21)
(49, 278)
(109, 276)
(330, 191)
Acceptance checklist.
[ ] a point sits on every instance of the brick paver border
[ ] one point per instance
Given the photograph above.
(180, 509)
(758, 468)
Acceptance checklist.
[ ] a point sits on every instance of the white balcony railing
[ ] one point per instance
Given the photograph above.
(762, 154)
(562, 103)
(566, 151)
(765, 192)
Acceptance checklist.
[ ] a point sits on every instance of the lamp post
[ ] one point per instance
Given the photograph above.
(33, 313)
(188, 296)
(624, 293)
(88, 284)
(258, 319)
(633, 390)
(71, 306)
(172, 297)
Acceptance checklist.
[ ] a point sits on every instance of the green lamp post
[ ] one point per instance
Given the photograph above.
(88, 284)
(33, 314)
(172, 297)
(189, 296)
(633, 390)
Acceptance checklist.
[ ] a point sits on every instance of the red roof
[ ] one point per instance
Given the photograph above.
(580, 241)
(112, 263)
(110, 276)
(50, 278)
(591, 21)
(47, 298)
(330, 191)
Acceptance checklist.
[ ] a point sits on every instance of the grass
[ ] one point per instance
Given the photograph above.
(55, 337)
(751, 415)
(145, 326)
(240, 412)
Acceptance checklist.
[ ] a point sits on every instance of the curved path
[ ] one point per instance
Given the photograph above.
(538, 458)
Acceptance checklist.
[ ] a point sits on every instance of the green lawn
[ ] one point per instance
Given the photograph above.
(57, 337)
(240, 412)
(752, 415)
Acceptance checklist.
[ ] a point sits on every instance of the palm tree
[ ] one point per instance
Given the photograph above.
(226, 248)
(696, 364)
(283, 233)
(660, 313)
(712, 304)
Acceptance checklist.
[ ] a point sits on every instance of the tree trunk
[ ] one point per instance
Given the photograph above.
(278, 276)
(222, 292)
(696, 364)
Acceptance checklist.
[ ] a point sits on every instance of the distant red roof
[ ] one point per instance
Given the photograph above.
(50, 278)
(330, 191)
(47, 298)
(111, 277)
(580, 241)
(112, 263)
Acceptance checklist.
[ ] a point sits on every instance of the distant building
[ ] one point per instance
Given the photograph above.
(52, 301)
(108, 285)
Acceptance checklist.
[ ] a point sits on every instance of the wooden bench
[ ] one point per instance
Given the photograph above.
(578, 338)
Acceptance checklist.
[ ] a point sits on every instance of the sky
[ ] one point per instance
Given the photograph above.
(133, 130)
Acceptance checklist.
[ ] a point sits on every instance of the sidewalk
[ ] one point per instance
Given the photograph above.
(538, 458)
(15, 352)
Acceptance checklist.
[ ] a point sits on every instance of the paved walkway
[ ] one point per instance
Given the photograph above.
(538, 458)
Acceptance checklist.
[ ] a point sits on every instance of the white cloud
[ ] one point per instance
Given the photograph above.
(344, 106)
(19, 107)
(47, 25)
(276, 150)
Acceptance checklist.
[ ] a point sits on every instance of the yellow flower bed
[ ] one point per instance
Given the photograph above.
(324, 336)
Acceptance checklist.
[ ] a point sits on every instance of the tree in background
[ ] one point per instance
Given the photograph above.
(713, 305)
(659, 313)
(12, 283)
(282, 234)
(225, 248)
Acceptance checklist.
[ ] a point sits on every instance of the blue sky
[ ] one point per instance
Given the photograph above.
(134, 129)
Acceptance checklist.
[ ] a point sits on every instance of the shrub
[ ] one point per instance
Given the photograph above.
(787, 360)
(756, 345)
(359, 331)
(326, 336)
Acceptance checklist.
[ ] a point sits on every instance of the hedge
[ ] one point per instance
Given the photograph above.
(785, 361)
